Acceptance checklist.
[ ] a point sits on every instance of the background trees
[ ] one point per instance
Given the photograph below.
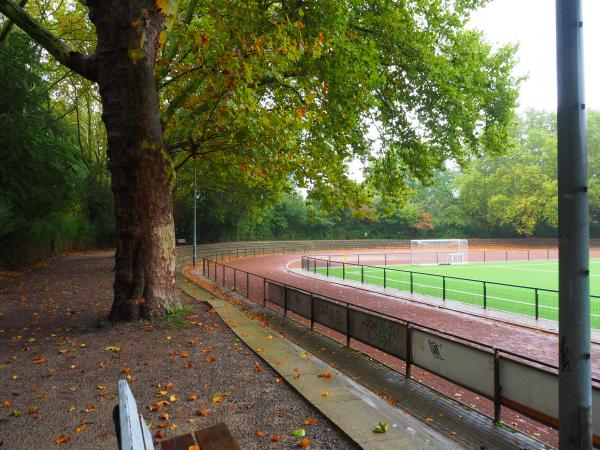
(267, 95)
(508, 195)
(53, 195)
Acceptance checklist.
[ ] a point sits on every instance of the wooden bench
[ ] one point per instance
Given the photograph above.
(134, 434)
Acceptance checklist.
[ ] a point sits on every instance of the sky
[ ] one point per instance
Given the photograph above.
(531, 23)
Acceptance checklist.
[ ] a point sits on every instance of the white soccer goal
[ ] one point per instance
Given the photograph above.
(439, 251)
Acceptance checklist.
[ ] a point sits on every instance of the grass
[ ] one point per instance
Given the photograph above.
(509, 286)
(175, 318)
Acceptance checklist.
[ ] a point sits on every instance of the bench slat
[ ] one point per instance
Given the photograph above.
(217, 437)
(179, 442)
(135, 434)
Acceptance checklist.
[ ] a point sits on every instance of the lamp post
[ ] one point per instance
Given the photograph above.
(574, 385)
(195, 206)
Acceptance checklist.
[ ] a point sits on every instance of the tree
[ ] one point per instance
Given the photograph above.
(265, 90)
(518, 190)
(40, 168)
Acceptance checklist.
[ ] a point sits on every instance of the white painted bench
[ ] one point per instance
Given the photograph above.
(134, 434)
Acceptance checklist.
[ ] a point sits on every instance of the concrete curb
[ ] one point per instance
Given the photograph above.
(350, 406)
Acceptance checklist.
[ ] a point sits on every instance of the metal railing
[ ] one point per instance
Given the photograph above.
(254, 288)
(525, 300)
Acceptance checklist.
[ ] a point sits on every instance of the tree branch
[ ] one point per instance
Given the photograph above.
(7, 28)
(77, 62)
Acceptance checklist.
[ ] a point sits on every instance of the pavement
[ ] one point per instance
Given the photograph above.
(418, 418)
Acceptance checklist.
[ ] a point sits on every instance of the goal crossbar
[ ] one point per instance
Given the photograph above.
(439, 251)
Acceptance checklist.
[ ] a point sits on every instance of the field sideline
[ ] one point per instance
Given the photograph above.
(465, 283)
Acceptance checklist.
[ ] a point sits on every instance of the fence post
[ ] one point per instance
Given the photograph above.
(537, 304)
(358, 258)
(408, 350)
(497, 387)
(384, 278)
(443, 288)
(204, 265)
(343, 270)
(484, 295)
(362, 274)
(234, 279)
(506, 255)
(411, 283)
(348, 327)
(312, 312)
(327, 268)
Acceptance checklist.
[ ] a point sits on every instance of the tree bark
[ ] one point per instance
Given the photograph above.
(141, 168)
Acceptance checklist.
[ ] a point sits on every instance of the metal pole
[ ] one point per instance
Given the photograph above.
(195, 205)
(574, 384)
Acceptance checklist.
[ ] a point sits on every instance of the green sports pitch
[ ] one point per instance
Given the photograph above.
(510, 286)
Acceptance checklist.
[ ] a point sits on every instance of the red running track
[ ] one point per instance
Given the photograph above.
(540, 345)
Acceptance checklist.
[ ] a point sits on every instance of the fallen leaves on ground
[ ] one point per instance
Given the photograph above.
(310, 422)
(158, 405)
(275, 438)
(327, 375)
(113, 348)
(61, 439)
(299, 433)
(303, 443)
(203, 412)
(380, 427)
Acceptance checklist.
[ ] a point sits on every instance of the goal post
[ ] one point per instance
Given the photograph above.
(439, 251)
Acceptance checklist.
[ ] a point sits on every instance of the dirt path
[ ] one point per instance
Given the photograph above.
(60, 362)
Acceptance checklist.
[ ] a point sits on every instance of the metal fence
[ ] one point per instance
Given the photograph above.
(530, 301)
(505, 377)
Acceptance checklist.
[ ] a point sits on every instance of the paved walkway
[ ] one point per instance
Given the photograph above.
(431, 420)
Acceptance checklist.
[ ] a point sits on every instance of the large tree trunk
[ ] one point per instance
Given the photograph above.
(142, 172)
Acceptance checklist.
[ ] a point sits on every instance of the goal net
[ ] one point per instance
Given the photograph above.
(439, 251)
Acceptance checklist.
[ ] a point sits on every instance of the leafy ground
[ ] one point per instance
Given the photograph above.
(60, 362)
(464, 283)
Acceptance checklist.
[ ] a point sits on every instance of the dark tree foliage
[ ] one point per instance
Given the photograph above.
(44, 202)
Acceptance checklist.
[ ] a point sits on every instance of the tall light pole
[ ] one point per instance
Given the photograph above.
(195, 205)
(575, 389)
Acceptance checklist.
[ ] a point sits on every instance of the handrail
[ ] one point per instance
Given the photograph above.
(435, 331)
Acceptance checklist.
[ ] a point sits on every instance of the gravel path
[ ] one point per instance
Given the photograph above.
(60, 362)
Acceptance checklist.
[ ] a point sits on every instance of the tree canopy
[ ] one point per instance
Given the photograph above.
(264, 95)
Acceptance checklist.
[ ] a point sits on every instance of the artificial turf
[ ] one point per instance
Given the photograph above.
(510, 286)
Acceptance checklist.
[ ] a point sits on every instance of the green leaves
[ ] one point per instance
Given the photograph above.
(380, 428)
(299, 433)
